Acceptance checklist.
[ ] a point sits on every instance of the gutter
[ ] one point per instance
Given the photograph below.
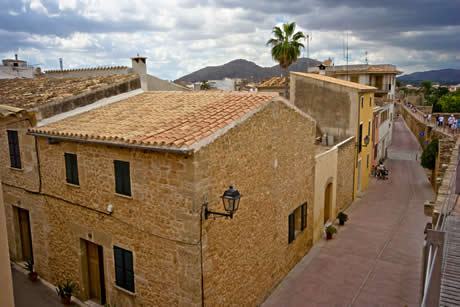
(150, 148)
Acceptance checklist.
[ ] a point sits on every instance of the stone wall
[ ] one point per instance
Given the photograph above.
(325, 174)
(269, 159)
(6, 282)
(83, 99)
(88, 72)
(345, 173)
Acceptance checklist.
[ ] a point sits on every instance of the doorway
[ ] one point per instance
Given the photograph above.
(358, 188)
(327, 202)
(25, 235)
(96, 282)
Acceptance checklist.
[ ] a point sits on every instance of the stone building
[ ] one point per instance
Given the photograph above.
(138, 66)
(6, 282)
(114, 194)
(342, 109)
(275, 84)
(380, 76)
(16, 69)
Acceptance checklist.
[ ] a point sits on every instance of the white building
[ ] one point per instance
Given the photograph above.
(16, 68)
(385, 129)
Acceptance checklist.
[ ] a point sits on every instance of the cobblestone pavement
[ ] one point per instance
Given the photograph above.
(375, 259)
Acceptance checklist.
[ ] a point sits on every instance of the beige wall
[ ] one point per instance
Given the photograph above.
(6, 282)
(345, 173)
(332, 105)
(325, 173)
(269, 159)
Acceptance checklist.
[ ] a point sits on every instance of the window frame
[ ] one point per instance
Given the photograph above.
(14, 149)
(71, 168)
(121, 279)
(297, 222)
(362, 102)
(122, 176)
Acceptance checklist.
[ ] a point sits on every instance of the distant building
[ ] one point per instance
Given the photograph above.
(15, 68)
(226, 84)
(275, 84)
(138, 66)
(381, 76)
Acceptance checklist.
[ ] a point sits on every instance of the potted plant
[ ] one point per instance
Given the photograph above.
(65, 290)
(30, 267)
(330, 230)
(342, 218)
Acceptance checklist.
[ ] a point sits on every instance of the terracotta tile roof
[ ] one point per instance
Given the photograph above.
(327, 62)
(29, 93)
(324, 78)
(370, 69)
(174, 120)
(273, 82)
(86, 69)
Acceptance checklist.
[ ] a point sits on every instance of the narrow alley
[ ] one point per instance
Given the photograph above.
(375, 259)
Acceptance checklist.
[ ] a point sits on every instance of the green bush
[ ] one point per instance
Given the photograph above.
(429, 155)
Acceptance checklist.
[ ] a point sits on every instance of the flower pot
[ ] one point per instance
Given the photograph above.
(33, 276)
(328, 235)
(341, 222)
(66, 300)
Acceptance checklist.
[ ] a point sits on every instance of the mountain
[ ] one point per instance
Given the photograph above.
(441, 76)
(244, 69)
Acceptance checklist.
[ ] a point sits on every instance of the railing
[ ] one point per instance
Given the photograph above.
(435, 242)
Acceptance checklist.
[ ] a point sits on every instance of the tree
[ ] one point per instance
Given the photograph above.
(204, 85)
(450, 102)
(286, 48)
(426, 85)
(398, 83)
(429, 155)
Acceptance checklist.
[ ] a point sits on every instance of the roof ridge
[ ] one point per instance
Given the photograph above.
(85, 69)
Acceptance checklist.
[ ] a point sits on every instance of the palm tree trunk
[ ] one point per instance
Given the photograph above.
(286, 86)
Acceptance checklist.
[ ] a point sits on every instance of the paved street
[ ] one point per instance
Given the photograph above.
(33, 294)
(375, 259)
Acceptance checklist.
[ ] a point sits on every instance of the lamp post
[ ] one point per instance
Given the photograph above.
(231, 202)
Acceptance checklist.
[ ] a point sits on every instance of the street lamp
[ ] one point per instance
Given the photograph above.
(231, 201)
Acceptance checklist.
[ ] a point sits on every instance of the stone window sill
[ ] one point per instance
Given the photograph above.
(72, 185)
(16, 169)
(124, 196)
(124, 290)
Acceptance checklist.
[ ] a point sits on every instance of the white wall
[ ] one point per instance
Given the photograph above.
(385, 130)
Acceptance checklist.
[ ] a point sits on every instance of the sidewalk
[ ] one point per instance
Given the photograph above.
(375, 259)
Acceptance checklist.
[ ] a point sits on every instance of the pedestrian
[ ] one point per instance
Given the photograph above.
(441, 121)
(428, 118)
(437, 120)
(425, 117)
(458, 124)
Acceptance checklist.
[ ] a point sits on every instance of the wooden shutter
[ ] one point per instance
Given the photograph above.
(303, 224)
(124, 272)
(122, 178)
(291, 227)
(13, 143)
(71, 168)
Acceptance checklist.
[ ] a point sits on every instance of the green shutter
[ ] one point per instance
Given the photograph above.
(303, 224)
(122, 178)
(71, 167)
(13, 144)
(291, 227)
(124, 272)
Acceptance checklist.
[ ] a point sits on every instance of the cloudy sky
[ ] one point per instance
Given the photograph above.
(181, 36)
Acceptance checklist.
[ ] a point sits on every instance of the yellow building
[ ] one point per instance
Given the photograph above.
(342, 109)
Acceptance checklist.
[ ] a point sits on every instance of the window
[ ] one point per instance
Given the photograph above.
(360, 138)
(71, 168)
(13, 143)
(369, 129)
(122, 178)
(367, 163)
(376, 150)
(297, 222)
(362, 102)
(370, 101)
(124, 273)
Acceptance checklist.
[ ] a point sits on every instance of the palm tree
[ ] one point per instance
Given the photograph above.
(286, 48)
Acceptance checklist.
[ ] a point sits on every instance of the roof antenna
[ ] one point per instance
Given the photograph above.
(60, 64)
(367, 62)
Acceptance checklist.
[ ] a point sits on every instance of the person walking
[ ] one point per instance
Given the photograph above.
(441, 121)
(428, 118)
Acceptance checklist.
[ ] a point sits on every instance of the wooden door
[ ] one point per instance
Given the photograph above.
(26, 238)
(95, 273)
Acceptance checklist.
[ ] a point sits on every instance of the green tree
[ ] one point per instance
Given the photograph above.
(429, 155)
(286, 48)
(426, 85)
(450, 102)
(204, 85)
(398, 83)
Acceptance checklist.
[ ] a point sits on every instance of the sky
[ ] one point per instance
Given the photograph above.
(182, 36)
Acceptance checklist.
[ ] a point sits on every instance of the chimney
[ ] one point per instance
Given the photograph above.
(138, 64)
(16, 56)
(60, 64)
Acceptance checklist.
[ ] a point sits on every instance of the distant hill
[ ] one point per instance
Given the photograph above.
(244, 69)
(449, 76)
